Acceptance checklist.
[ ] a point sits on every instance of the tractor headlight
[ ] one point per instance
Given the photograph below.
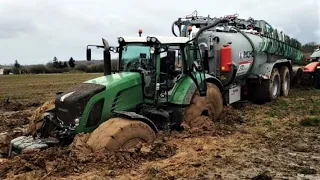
(152, 50)
(76, 122)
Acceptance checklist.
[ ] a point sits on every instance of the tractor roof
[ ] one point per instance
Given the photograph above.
(161, 39)
(316, 53)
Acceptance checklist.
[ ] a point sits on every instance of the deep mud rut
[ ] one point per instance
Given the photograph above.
(246, 143)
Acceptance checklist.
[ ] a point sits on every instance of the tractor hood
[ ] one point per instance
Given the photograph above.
(71, 104)
(114, 80)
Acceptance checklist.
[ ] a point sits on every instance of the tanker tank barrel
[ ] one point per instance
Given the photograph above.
(273, 42)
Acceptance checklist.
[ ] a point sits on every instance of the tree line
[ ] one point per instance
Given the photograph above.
(56, 66)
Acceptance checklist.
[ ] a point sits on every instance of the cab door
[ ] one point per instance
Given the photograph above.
(195, 68)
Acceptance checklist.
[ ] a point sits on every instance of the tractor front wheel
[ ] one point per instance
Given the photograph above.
(210, 105)
(120, 133)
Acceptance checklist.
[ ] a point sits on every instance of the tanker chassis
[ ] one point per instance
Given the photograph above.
(250, 58)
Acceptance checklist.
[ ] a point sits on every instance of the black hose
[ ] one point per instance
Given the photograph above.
(253, 49)
(234, 72)
(172, 28)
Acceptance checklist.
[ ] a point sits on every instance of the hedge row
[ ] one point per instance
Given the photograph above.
(48, 68)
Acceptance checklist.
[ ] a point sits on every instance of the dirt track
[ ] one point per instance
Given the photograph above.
(274, 140)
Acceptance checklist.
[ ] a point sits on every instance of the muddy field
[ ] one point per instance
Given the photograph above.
(278, 140)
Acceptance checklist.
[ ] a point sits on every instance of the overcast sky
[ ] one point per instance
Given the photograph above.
(34, 31)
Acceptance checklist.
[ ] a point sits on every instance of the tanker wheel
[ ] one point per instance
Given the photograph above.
(36, 120)
(269, 89)
(210, 105)
(120, 133)
(285, 80)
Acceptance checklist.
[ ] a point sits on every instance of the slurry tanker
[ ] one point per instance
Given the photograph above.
(248, 56)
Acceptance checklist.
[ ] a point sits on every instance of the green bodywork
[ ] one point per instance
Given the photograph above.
(185, 88)
(125, 90)
(129, 86)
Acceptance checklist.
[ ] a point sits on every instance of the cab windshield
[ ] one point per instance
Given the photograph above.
(135, 57)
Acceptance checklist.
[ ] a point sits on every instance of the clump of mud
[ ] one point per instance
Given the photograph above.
(79, 158)
(11, 120)
(203, 125)
(12, 125)
(230, 116)
(6, 137)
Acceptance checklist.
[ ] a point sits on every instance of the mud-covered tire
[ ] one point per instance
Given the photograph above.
(120, 133)
(307, 80)
(296, 77)
(35, 121)
(210, 105)
(285, 81)
(269, 89)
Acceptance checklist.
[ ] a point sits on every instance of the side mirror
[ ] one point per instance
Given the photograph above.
(88, 54)
(107, 62)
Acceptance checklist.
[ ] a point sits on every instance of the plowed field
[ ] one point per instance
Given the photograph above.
(278, 140)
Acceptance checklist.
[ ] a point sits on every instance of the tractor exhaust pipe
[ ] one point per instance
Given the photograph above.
(106, 57)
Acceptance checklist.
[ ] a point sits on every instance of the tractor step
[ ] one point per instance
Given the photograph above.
(21, 143)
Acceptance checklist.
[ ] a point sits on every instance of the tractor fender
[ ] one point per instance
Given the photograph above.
(135, 116)
(185, 89)
(311, 67)
(265, 69)
(216, 82)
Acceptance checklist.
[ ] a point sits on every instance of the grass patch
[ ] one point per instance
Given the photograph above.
(299, 103)
(276, 113)
(152, 172)
(39, 87)
(267, 122)
(311, 121)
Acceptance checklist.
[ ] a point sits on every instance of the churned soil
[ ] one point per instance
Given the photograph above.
(278, 140)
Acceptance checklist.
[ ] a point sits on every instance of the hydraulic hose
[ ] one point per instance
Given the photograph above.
(253, 48)
(210, 26)
(172, 28)
(233, 76)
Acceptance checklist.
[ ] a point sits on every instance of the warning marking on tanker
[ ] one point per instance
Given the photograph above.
(243, 67)
(234, 94)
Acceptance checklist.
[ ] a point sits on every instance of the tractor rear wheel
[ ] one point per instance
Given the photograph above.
(285, 80)
(210, 105)
(120, 133)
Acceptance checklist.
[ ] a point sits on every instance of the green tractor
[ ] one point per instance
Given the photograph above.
(148, 93)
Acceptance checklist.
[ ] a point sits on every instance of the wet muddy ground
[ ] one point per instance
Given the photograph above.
(278, 140)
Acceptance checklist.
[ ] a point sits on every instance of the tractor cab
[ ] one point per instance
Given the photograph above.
(161, 62)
